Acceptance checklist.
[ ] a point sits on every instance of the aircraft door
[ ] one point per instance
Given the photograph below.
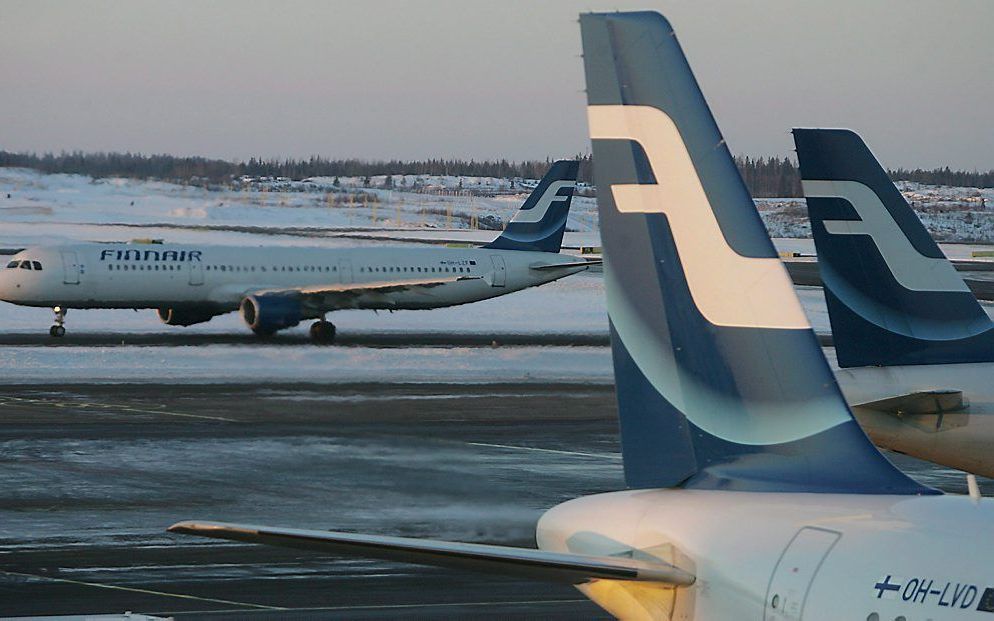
(795, 571)
(500, 271)
(196, 273)
(345, 271)
(70, 268)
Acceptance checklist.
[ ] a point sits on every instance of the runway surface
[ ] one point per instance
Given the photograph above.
(91, 475)
(345, 339)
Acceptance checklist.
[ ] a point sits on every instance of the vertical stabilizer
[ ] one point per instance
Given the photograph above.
(540, 223)
(721, 383)
(893, 297)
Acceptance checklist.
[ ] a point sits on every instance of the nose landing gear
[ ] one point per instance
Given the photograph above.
(323, 332)
(58, 330)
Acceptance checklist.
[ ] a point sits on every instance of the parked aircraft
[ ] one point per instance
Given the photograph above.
(914, 347)
(753, 492)
(278, 287)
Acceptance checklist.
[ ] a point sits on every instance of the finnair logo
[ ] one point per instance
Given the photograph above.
(910, 268)
(728, 289)
(537, 212)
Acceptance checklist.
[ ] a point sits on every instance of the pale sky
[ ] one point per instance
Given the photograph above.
(483, 79)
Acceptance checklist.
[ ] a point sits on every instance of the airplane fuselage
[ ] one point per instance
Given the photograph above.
(776, 557)
(99, 275)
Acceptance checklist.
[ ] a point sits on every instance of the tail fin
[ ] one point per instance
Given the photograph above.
(893, 297)
(540, 223)
(720, 380)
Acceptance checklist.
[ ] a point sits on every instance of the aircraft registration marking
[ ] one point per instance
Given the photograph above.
(924, 590)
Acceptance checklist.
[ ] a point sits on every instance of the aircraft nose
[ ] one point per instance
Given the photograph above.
(8, 284)
(4, 282)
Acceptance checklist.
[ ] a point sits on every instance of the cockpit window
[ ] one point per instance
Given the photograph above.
(12, 264)
(25, 265)
(36, 265)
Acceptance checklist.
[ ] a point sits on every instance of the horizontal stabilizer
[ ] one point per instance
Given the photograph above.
(552, 266)
(525, 562)
(919, 403)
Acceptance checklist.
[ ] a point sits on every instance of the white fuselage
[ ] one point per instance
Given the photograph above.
(98, 275)
(780, 557)
(962, 439)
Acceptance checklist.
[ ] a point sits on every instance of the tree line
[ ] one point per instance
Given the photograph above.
(765, 176)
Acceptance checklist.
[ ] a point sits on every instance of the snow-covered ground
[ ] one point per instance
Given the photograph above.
(951, 214)
(61, 203)
(59, 208)
(52, 208)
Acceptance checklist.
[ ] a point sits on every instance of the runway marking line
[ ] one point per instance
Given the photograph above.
(146, 591)
(544, 450)
(107, 406)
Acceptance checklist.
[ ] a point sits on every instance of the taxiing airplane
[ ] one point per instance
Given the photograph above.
(914, 347)
(753, 492)
(277, 288)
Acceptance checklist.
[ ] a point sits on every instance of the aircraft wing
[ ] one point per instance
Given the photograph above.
(525, 562)
(345, 295)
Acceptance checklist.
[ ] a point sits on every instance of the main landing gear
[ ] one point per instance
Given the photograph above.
(323, 331)
(58, 330)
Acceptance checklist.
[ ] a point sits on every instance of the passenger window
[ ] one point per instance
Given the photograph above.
(36, 265)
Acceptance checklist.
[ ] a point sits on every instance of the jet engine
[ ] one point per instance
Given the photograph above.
(185, 316)
(266, 313)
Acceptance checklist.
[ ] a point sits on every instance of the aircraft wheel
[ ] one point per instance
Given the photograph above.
(57, 331)
(323, 332)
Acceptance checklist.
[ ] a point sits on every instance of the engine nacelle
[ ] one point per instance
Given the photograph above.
(266, 313)
(185, 316)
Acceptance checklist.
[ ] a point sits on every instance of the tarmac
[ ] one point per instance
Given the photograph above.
(91, 476)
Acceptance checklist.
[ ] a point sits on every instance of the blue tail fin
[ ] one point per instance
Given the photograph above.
(720, 380)
(893, 297)
(540, 223)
